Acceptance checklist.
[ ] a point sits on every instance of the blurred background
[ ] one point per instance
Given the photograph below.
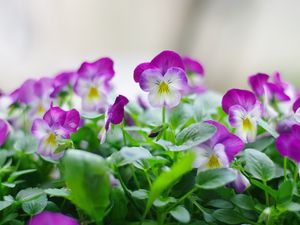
(232, 39)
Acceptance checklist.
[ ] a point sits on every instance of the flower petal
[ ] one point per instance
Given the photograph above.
(139, 70)
(257, 83)
(169, 99)
(296, 105)
(116, 111)
(176, 78)
(150, 79)
(244, 98)
(241, 183)
(40, 128)
(4, 130)
(51, 218)
(55, 117)
(193, 66)
(167, 59)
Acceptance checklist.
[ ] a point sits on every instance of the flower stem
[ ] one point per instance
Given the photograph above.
(296, 172)
(123, 133)
(266, 194)
(284, 167)
(163, 112)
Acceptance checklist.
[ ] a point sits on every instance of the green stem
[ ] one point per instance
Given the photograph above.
(134, 177)
(266, 194)
(284, 167)
(296, 173)
(123, 133)
(163, 112)
(182, 198)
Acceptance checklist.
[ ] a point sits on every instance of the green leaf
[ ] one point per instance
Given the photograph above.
(29, 194)
(220, 203)
(243, 201)
(85, 138)
(285, 192)
(228, 216)
(214, 178)
(259, 165)
(16, 174)
(268, 128)
(163, 201)
(140, 194)
(181, 214)
(264, 187)
(119, 208)
(62, 192)
(132, 154)
(5, 204)
(36, 205)
(291, 206)
(87, 177)
(181, 167)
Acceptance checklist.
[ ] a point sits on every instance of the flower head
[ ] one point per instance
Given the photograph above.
(114, 115)
(92, 84)
(51, 218)
(4, 130)
(219, 151)
(288, 143)
(164, 78)
(55, 126)
(195, 73)
(244, 110)
(61, 81)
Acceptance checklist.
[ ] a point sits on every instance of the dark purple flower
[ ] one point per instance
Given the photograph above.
(241, 183)
(92, 84)
(296, 109)
(4, 130)
(61, 82)
(164, 78)
(114, 115)
(56, 125)
(220, 150)
(244, 110)
(51, 218)
(195, 73)
(288, 143)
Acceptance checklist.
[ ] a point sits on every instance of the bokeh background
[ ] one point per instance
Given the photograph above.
(232, 38)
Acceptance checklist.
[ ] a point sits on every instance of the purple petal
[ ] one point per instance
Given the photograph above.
(193, 66)
(43, 87)
(40, 128)
(55, 117)
(244, 98)
(102, 67)
(176, 78)
(167, 59)
(72, 120)
(277, 92)
(139, 70)
(296, 105)
(26, 93)
(4, 130)
(62, 80)
(258, 82)
(51, 218)
(232, 143)
(115, 113)
(241, 183)
(150, 79)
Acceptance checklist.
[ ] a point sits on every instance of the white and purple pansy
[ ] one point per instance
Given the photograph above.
(115, 115)
(195, 73)
(93, 85)
(219, 151)
(164, 78)
(244, 111)
(55, 126)
(4, 130)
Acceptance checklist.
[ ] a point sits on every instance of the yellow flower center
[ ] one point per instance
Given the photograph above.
(213, 162)
(247, 124)
(93, 93)
(40, 109)
(51, 140)
(163, 88)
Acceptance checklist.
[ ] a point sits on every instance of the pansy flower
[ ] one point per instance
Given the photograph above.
(164, 78)
(52, 218)
(62, 81)
(93, 85)
(114, 115)
(195, 73)
(4, 130)
(219, 151)
(55, 126)
(288, 143)
(240, 184)
(296, 110)
(36, 94)
(244, 110)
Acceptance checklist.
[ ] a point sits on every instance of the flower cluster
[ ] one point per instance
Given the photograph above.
(73, 152)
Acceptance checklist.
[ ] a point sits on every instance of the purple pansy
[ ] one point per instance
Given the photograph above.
(36, 94)
(114, 115)
(4, 130)
(296, 109)
(240, 184)
(61, 82)
(56, 125)
(92, 84)
(288, 143)
(52, 218)
(164, 78)
(219, 151)
(244, 110)
(195, 73)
